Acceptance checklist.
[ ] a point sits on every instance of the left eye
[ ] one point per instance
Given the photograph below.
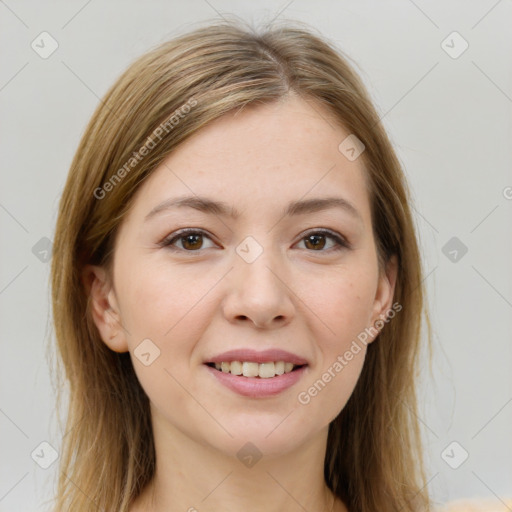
(192, 241)
(317, 240)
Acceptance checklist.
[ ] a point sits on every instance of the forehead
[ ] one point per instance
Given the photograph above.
(261, 156)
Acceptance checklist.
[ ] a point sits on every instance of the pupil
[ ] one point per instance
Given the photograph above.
(189, 239)
(316, 243)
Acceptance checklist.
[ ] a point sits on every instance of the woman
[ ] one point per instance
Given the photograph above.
(237, 287)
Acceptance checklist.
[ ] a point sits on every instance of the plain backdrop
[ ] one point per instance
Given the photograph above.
(446, 101)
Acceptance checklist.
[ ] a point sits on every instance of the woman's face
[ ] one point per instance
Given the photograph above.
(268, 265)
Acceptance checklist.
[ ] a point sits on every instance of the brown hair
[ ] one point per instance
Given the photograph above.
(374, 454)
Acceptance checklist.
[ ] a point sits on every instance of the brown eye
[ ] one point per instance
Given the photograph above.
(191, 240)
(318, 241)
(315, 241)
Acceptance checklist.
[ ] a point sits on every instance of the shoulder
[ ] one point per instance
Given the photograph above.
(476, 505)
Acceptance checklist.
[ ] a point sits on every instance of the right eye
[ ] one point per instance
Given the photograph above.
(191, 240)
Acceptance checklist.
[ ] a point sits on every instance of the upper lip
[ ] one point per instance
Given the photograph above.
(254, 356)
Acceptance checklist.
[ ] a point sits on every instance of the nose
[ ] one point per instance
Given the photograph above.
(258, 293)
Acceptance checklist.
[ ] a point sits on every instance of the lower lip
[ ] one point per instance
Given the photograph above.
(257, 387)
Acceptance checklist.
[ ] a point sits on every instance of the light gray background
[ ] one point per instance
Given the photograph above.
(449, 118)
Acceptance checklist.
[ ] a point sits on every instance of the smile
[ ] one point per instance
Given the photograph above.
(255, 381)
(251, 369)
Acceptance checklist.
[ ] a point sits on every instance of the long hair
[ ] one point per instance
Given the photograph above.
(374, 454)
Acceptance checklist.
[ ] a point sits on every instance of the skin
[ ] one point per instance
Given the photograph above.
(307, 299)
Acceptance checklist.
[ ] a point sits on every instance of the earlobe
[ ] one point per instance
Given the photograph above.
(103, 307)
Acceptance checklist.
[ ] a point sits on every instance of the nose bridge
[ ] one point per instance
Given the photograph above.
(257, 288)
(257, 267)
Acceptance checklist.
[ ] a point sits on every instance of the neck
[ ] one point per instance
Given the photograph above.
(195, 477)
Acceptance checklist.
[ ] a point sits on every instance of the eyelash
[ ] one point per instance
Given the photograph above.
(341, 242)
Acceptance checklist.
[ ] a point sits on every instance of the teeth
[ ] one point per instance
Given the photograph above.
(267, 370)
(250, 369)
(236, 367)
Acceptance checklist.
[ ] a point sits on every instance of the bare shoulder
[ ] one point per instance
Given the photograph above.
(477, 505)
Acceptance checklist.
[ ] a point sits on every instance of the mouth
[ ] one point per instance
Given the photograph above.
(257, 379)
(254, 370)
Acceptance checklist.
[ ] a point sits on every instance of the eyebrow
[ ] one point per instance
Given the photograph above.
(301, 207)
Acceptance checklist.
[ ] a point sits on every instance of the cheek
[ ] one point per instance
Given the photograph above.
(159, 300)
(343, 306)
(342, 314)
(342, 354)
(171, 306)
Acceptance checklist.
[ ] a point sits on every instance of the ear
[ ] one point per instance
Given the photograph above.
(384, 296)
(104, 307)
